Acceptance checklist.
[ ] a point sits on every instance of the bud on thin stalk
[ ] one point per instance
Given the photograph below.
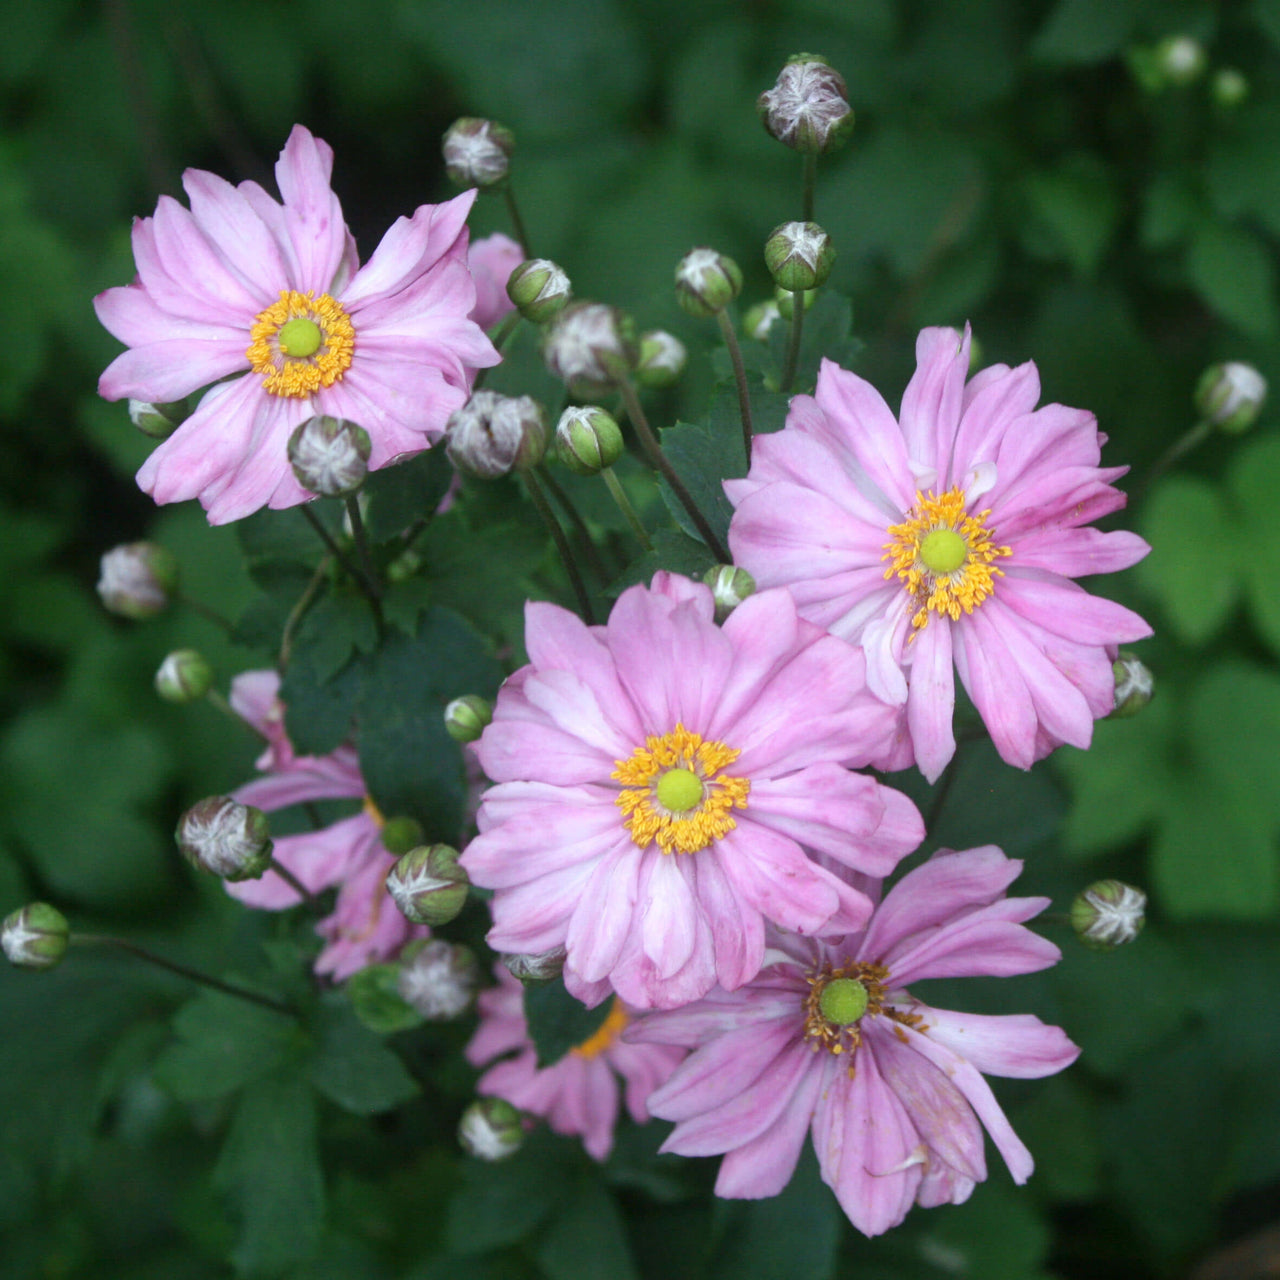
(590, 346)
(491, 1129)
(159, 421)
(539, 289)
(184, 676)
(808, 108)
(662, 359)
(1231, 396)
(799, 255)
(330, 456)
(35, 936)
(588, 440)
(493, 435)
(225, 838)
(1134, 685)
(1108, 914)
(477, 153)
(538, 968)
(706, 282)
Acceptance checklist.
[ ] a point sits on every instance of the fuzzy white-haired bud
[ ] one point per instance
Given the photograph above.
(493, 435)
(330, 456)
(1108, 914)
(428, 885)
(706, 282)
(590, 345)
(662, 359)
(159, 421)
(438, 979)
(477, 153)
(225, 838)
(799, 255)
(539, 289)
(184, 676)
(491, 1129)
(1134, 685)
(808, 108)
(1231, 395)
(588, 440)
(537, 968)
(138, 579)
(35, 936)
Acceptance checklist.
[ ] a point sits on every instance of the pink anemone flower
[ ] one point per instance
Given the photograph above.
(491, 261)
(268, 301)
(948, 537)
(665, 785)
(827, 1040)
(579, 1095)
(365, 927)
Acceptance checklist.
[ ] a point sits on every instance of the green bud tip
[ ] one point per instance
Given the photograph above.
(799, 255)
(730, 586)
(588, 440)
(1231, 396)
(662, 359)
(539, 289)
(1134, 685)
(491, 1129)
(679, 790)
(706, 282)
(843, 1001)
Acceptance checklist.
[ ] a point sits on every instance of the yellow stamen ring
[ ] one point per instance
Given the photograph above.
(675, 794)
(605, 1034)
(301, 343)
(943, 556)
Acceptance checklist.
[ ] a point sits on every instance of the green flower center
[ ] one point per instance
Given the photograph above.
(843, 1001)
(943, 551)
(300, 337)
(679, 790)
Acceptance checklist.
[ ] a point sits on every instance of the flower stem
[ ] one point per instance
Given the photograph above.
(575, 516)
(624, 505)
(361, 539)
(740, 377)
(517, 222)
(1180, 447)
(562, 545)
(204, 610)
(334, 550)
(659, 460)
(810, 182)
(793, 347)
(292, 881)
(299, 610)
(182, 970)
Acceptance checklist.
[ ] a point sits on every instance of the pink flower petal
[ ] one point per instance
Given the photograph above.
(313, 215)
(931, 697)
(931, 403)
(602, 915)
(1016, 1045)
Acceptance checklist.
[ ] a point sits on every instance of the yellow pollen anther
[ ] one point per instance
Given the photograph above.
(660, 804)
(943, 556)
(374, 812)
(301, 343)
(605, 1034)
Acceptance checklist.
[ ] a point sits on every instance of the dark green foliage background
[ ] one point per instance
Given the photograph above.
(1007, 169)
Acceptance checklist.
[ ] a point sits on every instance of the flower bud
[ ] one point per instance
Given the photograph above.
(590, 346)
(184, 676)
(662, 359)
(428, 885)
(539, 289)
(399, 835)
(465, 718)
(786, 301)
(438, 979)
(35, 936)
(1229, 88)
(493, 435)
(477, 153)
(730, 586)
(588, 440)
(491, 1129)
(706, 282)
(799, 255)
(538, 968)
(1231, 395)
(1180, 60)
(808, 108)
(1134, 685)
(159, 421)
(138, 579)
(330, 456)
(225, 838)
(1108, 914)
(759, 320)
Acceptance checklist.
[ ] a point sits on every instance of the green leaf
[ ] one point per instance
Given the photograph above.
(269, 1171)
(672, 550)
(1187, 525)
(702, 457)
(318, 714)
(557, 1021)
(1061, 1121)
(999, 1233)
(1232, 270)
(222, 1044)
(339, 625)
(376, 1000)
(1253, 482)
(285, 537)
(825, 333)
(1074, 209)
(587, 1240)
(1086, 30)
(352, 1066)
(405, 602)
(398, 496)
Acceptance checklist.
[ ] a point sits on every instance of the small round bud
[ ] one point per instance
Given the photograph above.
(438, 979)
(1108, 914)
(730, 586)
(589, 346)
(786, 301)
(184, 676)
(493, 435)
(428, 885)
(225, 838)
(706, 282)
(466, 718)
(662, 359)
(539, 289)
(759, 320)
(491, 1129)
(138, 579)
(399, 835)
(477, 153)
(159, 421)
(808, 108)
(1180, 60)
(35, 936)
(799, 255)
(1231, 396)
(1134, 685)
(538, 968)
(588, 440)
(330, 456)
(1229, 88)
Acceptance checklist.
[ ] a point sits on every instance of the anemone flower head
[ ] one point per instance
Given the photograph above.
(365, 927)
(826, 1039)
(947, 539)
(664, 786)
(267, 300)
(579, 1095)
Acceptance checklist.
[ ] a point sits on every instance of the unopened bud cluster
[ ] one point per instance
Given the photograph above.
(225, 838)
(35, 936)
(1108, 914)
(590, 346)
(799, 255)
(428, 885)
(539, 290)
(588, 440)
(493, 435)
(184, 676)
(437, 979)
(706, 282)
(1231, 396)
(477, 153)
(138, 579)
(330, 456)
(491, 1129)
(808, 108)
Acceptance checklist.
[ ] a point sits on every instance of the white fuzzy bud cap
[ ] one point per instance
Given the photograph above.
(1108, 914)
(540, 967)
(493, 435)
(35, 936)
(1134, 685)
(1231, 395)
(662, 359)
(808, 108)
(590, 345)
(706, 281)
(428, 885)
(799, 255)
(225, 838)
(159, 421)
(477, 153)
(491, 1129)
(138, 579)
(438, 979)
(539, 289)
(184, 676)
(330, 456)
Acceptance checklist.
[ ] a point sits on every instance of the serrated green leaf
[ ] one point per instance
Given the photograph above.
(352, 1067)
(673, 551)
(375, 997)
(398, 496)
(703, 457)
(587, 1240)
(404, 603)
(557, 1021)
(318, 714)
(333, 630)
